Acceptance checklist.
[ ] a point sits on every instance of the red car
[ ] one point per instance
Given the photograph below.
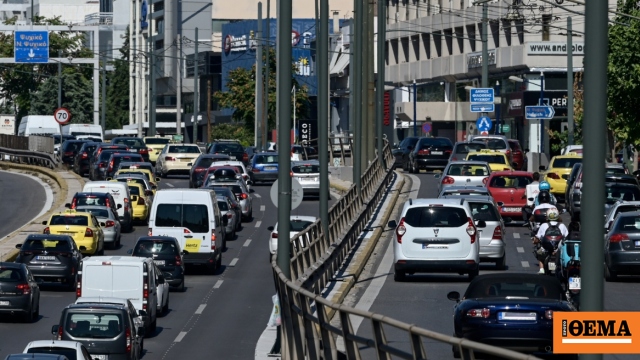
(517, 154)
(508, 190)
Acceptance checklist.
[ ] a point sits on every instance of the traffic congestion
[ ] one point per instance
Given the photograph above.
(154, 232)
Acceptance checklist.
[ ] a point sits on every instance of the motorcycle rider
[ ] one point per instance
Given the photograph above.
(553, 219)
(531, 192)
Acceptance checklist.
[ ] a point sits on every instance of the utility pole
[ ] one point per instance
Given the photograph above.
(541, 103)
(60, 81)
(103, 120)
(179, 87)
(208, 109)
(257, 135)
(322, 52)
(196, 94)
(356, 92)
(364, 86)
(152, 86)
(381, 40)
(570, 80)
(295, 126)
(485, 50)
(415, 108)
(370, 129)
(267, 68)
(498, 108)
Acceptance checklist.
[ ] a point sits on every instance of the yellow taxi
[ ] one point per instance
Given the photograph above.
(148, 174)
(83, 227)
(141, 202)
(155, 145)
(559, 170)
(498, 161)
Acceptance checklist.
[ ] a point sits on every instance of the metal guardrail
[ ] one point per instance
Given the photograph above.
(29, 157)
(307, 331)
(33, 150)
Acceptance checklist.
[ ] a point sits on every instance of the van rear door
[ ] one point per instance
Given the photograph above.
(107, 279)
(189, 223)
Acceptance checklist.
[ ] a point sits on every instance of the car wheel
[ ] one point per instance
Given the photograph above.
(609, 276)
(473, 273)
(501, 264)
(181, 288)
(28, 317)
(574, 216)
(399, 276)
(154, 325)
(239, 226)
(117, 243)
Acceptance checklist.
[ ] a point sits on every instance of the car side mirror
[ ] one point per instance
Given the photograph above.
(500, 203)
(44, 222)
(184, 252)
(157, 179)
(454, 296)
(141, 331)
(83, 248)
(530, 199)
(18, 246)
(481, 224)
(142, 313)
(130, 251)
(437, 176)
(148, 192)
(109, 179)
(392, 224)
(270, 228)
(542, 168)
(190, 164)
(119, 206)
(54, 329)
(67, 205)
(103, 224)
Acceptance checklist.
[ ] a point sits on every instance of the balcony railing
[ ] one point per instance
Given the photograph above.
(100, 18)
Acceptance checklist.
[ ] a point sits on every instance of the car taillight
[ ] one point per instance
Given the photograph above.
(169, 158)
(85, 155)
(150, 232)
(229, 215)
(68, 153)
(578, 185)
(110, 166)
(46, 230)
(471, 230)
(110, 223)
(199, 169)
(178, 260)
(553, 176)
(400, 231)
(126, 204)
(245, 157)
(291, 173)
(548, 314)
(108, 203)
(479, 313)
(274, 235)
(447, 152)
(484, 181)
(424, 152)
(448, 180)
(244, 196)
(127, 334)
(101, 165)
(508, 152)
(140, 200)
(24, 288)
(74, 203)
(186, 231)
(88, 233)
(256, 170)
(143, 151)
(497, 233)
(79, 286)
(59, 332)
(616, 238)
(213, 241)
(145, 292)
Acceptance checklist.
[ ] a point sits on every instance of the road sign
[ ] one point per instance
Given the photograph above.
(483, 124)
(426, 127)
(296, 193)
(484, 133)
(539, 112)
(505, 128)
(178, 138)
(482, 95)
(62, 115)
(31, 46)
(484, 107)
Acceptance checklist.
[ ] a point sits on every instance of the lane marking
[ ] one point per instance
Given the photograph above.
(262, 208)
(170, 185)
(234, 262)
(258, 223)
(200, 309)
(257, 195)
(516, 235)
(525, 263)
(520, 249)
(247, 243)
(180, 336)
(218, 284)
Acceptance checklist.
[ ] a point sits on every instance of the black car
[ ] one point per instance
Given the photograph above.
(401, 153)
(233, 148)
(20, 292)
(430, 153)
(200, 166)
(462, 148)
(51, 258)
(69, 150)
(136, 145)
(98, 199)
(99, 163)
(165, 251)
(83, 159)
(114, 162)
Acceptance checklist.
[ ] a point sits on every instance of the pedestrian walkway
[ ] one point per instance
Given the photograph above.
(8, 244)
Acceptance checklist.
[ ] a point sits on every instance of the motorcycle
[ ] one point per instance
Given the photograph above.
(568, 273)
(539, 217)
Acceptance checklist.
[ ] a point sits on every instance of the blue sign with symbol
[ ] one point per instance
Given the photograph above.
(482, 95)
(426, 127)
(144, 9)
(539, 112)
(31, 47)
(483, 124)
(476, 108)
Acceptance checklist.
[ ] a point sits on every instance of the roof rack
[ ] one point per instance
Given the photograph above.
(461, 201)
(226, 140)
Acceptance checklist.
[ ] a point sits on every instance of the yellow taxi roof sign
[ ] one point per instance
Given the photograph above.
(487, 151)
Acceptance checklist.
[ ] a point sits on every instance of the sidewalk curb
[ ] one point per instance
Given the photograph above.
(341, 188)
(361, 259)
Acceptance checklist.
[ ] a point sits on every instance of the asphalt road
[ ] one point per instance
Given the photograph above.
(422, 299)
(21, 199)
(219, 316)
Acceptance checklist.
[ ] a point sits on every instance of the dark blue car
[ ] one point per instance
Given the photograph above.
(510, 310)
(264, 167)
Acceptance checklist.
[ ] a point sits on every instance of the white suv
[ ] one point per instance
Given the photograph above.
(436, 236)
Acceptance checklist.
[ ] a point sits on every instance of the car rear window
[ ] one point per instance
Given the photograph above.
(626, 193)
(91, 200)
(470, 147)
(72, 145)
(136, 166)
(450, 192)
(527, 289)
(224, 192)
(628, 224)
(614, 171)
(483, 211)
(156, 141)
(190, 216)
(236, 189)
(134, 190)
(306, 169)
(492, 159)
(126, 158)
(468, 170)
(146, 247)
(103, 213)
(94, 325)
(436, 216)
(11, 275)
(66, 352)
(437, 142)
(625, 208)
(106, 154)
(231, 147)
(183, 149)
(44, 244)
(493, 144)
(127, 173)
(510, 181)
(299, 225)
(565, 163)
(266, 159)
(131, 143)
(69, 220)
(223, 205)
(515, 145)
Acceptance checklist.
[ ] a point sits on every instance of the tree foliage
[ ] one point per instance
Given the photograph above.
(560, 139)
(233, 131)
(118, 89)
(77, 97)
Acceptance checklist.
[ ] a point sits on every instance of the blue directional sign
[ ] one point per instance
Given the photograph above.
(31, 46)
(483, 124)
(426, 127)
(479, 108)
(539, 112)
(482, 95)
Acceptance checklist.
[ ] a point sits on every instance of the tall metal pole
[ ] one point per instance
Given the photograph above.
(570, 80)
(152, 86)
(497, 131)
(356, 92)
(60, 81)
(364, 85)
(541, 122)
(257, 136)
(103, 114)
(283, 87)
(322, 48)
(595, 114)
(179, 86)
(267, 68)
(381, 39)
(295, 126)
(370, 132)
(196, 93)
(208, 137)
(415, 109)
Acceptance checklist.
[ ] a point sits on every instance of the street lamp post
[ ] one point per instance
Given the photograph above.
(540, 102)
(497, 111)
(415, 109)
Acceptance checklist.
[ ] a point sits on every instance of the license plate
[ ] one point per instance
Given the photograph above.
(4, 303)
(41, 257)
(436, 152)
(434, 246)
(574, 283)
(133, 151)
(269, 168)
(99, 357)
(637, 242)
(530, 316)
(186, 160)
(159, 262)
(511, 209)
(552, 266)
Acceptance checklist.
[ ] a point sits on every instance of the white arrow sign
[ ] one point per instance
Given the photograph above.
(31, 53)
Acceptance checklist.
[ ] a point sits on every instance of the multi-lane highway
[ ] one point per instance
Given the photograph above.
(219, 316)
(22, 199)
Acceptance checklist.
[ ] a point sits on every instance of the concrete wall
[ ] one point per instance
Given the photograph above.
(248, 9)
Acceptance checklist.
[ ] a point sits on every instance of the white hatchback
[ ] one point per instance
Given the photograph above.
(436, 236)
(70, 349)
(297, 224)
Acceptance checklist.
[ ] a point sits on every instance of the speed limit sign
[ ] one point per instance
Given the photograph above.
(62, 115)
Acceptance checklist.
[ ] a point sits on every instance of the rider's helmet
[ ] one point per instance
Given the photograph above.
(544, 186)
(544, 197)
(553, 215)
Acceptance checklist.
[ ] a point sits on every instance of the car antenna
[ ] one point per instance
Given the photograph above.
(410, 201)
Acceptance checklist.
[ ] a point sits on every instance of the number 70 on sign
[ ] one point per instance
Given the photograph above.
(62, 115)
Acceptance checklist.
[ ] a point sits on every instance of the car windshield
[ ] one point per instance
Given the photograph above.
(46, 244)
(510, 181)
(626, 193)
(134, 190)
(223, 205)
(69, 220)
(230, 147)
(95, 325)
(136, 166)
(266, 159)
(130, 142)
(299, 225)
(156, 141)
(483, 211)
(10, 275)
(66, 352)
(90, 200)
(469, 147)
(531, 288)
(103, 213)
(468, 170)
(492, 159)
(493, 144)
(183, 149)
(128, 173)
(625, 208)
(306, 169)
(432, 216)
(565, 163)
(614, 171)
(451, 192)
(146, 247)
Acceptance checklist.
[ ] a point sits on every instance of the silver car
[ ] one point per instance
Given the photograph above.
(308, 175)
(239, 189)
(465, 190)
(616, 209)
(226, 209)
(466, 173)
(112, 229)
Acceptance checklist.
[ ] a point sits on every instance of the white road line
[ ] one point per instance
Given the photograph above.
(258, 223)
(180, 336)
(263, 208)
(257, 195)
(520, 249)
(218, 284)
(200, 309)
(524, 263)
(234, 262)
(171, 185)
(247, 243)
(516, 235)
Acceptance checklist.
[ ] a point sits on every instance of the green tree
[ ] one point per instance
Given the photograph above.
(560, 139)
(241, 96)
(77, 97)
(118, 89)
(233, 131)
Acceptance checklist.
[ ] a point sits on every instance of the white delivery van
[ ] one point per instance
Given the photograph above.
(192, 216)
(120, 193)
(43, 125)
(126, 277)
(83, 131)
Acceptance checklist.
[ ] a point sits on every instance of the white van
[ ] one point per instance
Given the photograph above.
(43, 125)
(192, 216)
(127, 277)
(82, 131)
(120, 193)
